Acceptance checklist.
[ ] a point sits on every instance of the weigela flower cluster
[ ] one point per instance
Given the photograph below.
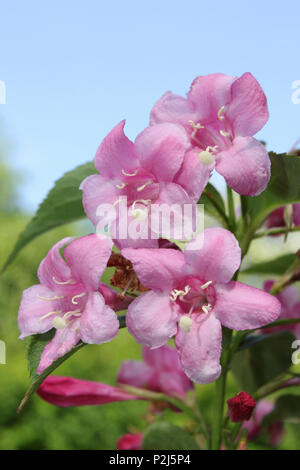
(190, 295)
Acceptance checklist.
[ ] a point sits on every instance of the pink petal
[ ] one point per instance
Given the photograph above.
(193, 175)
(296, 214)
(245, 166)
(151, 319)
(63, 341)
(248, 108)
(218, 258)
(116, 153)
(241, 307)
(161, 149)
(209, 93)
(158, 269)
(99, 191)
(173, 108)
(87, 257)
(98, 323)
(172, 384)
(67, 391)
(32, 309)
(200, 349)
(135, 373)
(164, 358)
(112, 298)
(54, 266)
(130, 442)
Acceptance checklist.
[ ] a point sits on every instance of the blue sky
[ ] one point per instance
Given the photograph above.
(73, 69)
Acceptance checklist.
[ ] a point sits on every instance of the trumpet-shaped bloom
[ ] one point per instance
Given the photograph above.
(154, 170)
(160, 372)
(191, 295)
(221, 114)
(290, 308)
(70, 298)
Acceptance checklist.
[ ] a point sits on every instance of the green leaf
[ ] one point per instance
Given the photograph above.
(275, 266)
(214, 204)
(263, 360)
(62, 205)
(282, 189)
(35, 347)
(165, 436)
(287, 408)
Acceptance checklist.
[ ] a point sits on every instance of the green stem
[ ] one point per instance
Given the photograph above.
(232, 220)
(284, 321)
(216, 205)
(276, 231)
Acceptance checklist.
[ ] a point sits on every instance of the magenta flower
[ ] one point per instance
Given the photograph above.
(67, 391)
(158, 168)
(221, 114)
(276, 218)
(69, 298)
(290, 308)
(191, 296)
(240, 407)
(130, 442)
(255, 427)
(161, 372)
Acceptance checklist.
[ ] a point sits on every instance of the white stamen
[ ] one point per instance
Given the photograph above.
(74, 302)
(185, 323)
(120, 186)
(59, 323)
(225, 133)
(57, 297)
(208, 283)
(130, 174)
(71, 313)
(206, 308)
(140, 213)
(140, 188)
(55, 312)
(195, 127)
(62, 283)
(220, 112)
(175, 293)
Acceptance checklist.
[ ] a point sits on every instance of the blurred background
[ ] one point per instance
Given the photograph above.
(72, 70)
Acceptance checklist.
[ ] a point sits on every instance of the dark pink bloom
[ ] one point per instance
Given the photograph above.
(67, 391)
(254, 425)
(276, 218)
(191, 295)
(158, 168)
(290, 308)
(70, 298)
(161, 372)
(240, 407)
(130, 442)
(221, 114)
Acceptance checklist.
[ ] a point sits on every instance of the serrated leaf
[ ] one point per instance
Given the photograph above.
(263, 361)
(275, 266)
(62, 205)
(165, 436)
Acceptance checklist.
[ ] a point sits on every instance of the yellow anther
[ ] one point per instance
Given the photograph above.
(220, 112)
(225, 133)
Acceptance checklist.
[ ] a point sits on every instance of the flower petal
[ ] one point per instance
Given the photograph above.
(112, 298)
(245, 166)
(63, 342)
(161, 149)
(219, 257)
(241, 307)
(135, 373)
(116, 153)
(67, 391)
(200, 349)
(98, 323)
(54, 266)
(173, 108)
(32, 309)
(99, 191)
(87, 257)
(151, 319)
(157, 268)
(248, 108)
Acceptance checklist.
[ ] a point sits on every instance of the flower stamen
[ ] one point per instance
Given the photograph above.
(74, 302)
(175, 293)
(62, 283)
(130, 174)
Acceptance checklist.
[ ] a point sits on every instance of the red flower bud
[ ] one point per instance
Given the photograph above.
(240, 407)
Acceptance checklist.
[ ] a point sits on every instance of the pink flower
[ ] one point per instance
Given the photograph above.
(221, 114)
(67, 391)
(191, 296)
(254, 425)
(290, 308)
(276, 218)
(130, 442)
(158, 168)
(70, 298)
(240, 407)
(161, 372)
